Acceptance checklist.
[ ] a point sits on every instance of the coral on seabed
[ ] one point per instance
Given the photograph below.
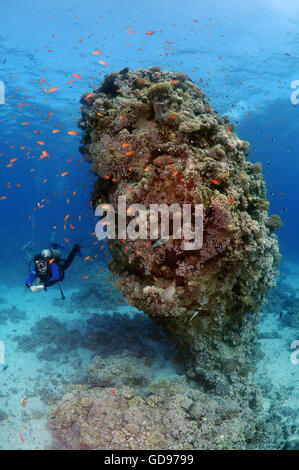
(170, 415)
(151, 135)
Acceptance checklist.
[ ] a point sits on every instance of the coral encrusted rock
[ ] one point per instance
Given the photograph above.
(151, 135)
(170, 416)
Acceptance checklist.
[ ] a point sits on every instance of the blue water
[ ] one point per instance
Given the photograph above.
(244, 57)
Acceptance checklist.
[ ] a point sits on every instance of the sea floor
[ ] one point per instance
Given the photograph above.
(49, 344)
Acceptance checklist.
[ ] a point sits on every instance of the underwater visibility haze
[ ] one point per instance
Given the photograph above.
(113, 335)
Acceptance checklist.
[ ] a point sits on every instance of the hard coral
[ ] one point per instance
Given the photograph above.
(170, 416)
(158, 136)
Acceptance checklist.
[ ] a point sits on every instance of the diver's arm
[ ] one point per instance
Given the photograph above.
(31, 278)
(37, 288)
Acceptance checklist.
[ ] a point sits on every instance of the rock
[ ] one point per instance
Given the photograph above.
(181, 151)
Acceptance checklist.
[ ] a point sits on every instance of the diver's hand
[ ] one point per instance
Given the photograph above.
(36, 288)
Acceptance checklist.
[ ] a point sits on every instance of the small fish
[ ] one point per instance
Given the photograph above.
(52, 89)
(161, 241)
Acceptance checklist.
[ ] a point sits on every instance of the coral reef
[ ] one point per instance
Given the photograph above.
(284, 301)
(150, 135)
(167, 415)
(106, 335)
(124, 369)
(13, 314)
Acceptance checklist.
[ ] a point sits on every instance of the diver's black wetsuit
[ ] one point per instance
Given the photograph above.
(65, 264)
(55, 270)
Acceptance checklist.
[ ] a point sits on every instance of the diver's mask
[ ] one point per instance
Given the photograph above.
(41, 266)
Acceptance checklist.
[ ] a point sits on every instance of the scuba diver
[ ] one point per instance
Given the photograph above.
(49, 268)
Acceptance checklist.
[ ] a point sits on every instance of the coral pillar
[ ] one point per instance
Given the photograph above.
(151, 136)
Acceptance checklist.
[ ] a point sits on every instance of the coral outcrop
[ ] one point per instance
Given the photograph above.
(150, 135)
(164, 415)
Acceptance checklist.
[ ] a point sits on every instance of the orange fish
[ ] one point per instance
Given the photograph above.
(97, 52)
(76, 75)
(52, 89)
(44, 154)
(72, 132)
(215, 181)
(65, 173)
(102, 62)
(24, 401)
